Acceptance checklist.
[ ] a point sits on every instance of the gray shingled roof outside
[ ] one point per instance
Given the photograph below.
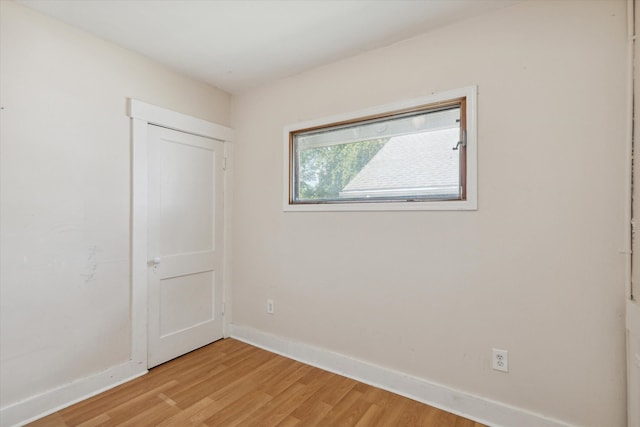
(421, 164)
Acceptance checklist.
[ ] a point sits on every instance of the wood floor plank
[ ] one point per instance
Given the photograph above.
(204, 413)
(446, 419)
(370, 415)
(241, 409)
(275, 410)
(340, 408)
(96, 421)
(121, 395)
(324, 399)
(289, 422)
(352, 415)
(412, 414)
(183, 418)
(337, 389)
(233, 384)
(306, 389)
(124, 413)
(239, 390)
(190, 393)
(313, 413)
(392, 409)
(149, 417)
(120, 408)
(463, 422)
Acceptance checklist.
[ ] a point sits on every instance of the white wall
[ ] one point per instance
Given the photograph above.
(536, 270)
(65, 189)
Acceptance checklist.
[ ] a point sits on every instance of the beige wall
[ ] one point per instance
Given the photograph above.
(536, 270)
(65, 189)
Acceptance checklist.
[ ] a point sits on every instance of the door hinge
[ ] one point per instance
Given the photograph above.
(224, 164)
(223, 308)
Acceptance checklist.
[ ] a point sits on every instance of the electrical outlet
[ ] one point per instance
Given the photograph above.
(270, 306)
(500, 360)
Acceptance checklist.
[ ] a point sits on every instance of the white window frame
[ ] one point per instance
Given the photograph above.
(471, 201)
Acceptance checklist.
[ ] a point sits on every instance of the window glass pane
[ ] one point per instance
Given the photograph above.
(403, 157)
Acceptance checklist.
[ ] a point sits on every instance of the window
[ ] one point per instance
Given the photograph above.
(417, 154)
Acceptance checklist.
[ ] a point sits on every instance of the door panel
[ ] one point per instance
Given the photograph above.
(185, 243)
(177, 297)
(186, 196)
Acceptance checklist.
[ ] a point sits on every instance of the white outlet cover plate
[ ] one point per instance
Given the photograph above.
(500, 360)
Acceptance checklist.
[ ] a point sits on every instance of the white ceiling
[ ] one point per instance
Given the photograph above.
(239, 44)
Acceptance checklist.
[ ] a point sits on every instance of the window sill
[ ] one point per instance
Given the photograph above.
(457, 205)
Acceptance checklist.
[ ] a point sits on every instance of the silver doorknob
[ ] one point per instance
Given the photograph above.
(155, 261)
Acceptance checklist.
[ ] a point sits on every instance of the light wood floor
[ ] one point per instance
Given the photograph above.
(230, 383)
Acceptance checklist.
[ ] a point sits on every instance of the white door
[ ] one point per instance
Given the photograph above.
(185, 243)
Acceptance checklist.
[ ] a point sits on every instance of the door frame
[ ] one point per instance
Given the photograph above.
(142, 115)
(632, 264)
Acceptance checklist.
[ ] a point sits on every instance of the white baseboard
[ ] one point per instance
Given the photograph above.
(477, 408)
(46, 403)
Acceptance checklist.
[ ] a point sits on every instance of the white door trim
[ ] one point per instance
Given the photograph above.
(155, 115)
(142, 115)
(632, 252)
